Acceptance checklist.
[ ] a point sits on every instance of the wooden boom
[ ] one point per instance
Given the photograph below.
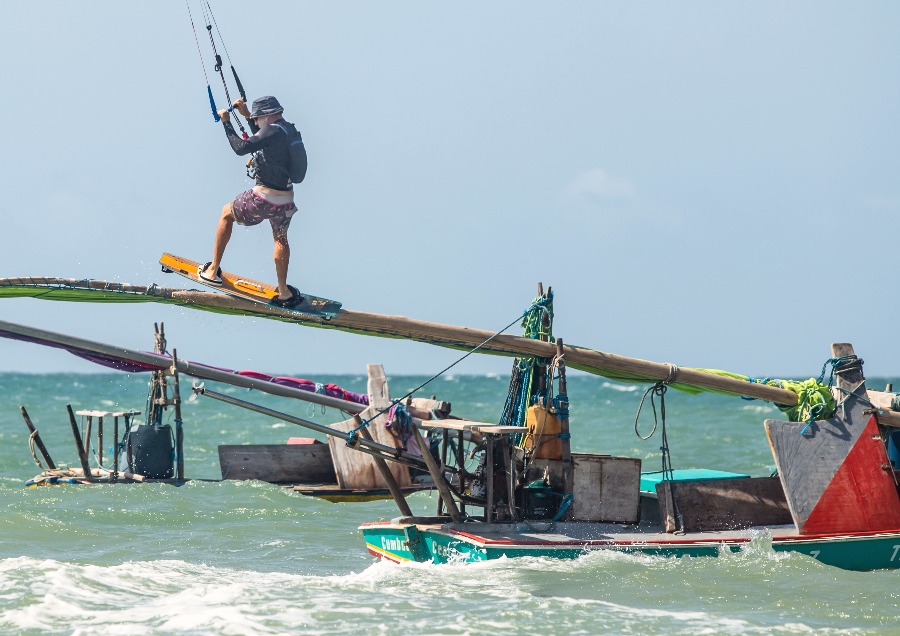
(589, 360)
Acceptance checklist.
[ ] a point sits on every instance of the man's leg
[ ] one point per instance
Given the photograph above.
(282, 258)
(223, 235)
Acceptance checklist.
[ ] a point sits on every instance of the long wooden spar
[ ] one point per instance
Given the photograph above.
(193, 369)
(589, 360)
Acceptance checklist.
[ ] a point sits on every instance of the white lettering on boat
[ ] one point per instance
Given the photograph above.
(444, 551)
(814, 553)
(896, 549)
(393, 545)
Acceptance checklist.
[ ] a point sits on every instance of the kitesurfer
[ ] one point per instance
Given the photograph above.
(271, 198)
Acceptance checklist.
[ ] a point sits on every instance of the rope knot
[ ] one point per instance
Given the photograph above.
(672, 375)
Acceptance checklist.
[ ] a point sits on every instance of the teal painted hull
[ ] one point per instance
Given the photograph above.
(399, 543)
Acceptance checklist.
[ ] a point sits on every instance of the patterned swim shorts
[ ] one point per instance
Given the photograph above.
(250, 208)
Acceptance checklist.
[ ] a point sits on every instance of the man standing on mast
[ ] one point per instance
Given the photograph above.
(271, 198)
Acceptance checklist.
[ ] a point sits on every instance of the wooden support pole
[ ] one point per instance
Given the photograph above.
(510, 482)
(489, 477)
(79, 447)
(564, 435)
(114, 475)
(386, 473)
(563, 391)
(387, 452)
(179, 431)
(540, 370)
(439, 482)
(100, 441)
(37, 439)
(461, 465)
(87, 439)
(445, 438)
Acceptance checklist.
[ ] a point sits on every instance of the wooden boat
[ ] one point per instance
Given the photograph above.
(835, 496)
(442, 543)
(835, 499)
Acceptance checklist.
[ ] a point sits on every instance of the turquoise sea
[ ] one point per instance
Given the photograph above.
(252, 558)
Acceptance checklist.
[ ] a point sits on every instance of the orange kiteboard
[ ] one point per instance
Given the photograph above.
(248, 289)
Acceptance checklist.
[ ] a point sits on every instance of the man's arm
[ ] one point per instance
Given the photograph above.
(260, 139)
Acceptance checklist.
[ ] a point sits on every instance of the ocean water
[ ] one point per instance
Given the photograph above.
(252, 558)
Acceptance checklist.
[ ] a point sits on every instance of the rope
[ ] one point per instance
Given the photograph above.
(659, 390)
(351, 439)
(212, 102)
(839, 365)
(237, 80)
(522, 378)
(207, 14)
(197, 41)
(33, 452)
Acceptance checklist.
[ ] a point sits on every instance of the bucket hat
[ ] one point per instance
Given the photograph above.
(263, 106)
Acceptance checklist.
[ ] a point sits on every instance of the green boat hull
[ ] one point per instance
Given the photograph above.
(436, 544)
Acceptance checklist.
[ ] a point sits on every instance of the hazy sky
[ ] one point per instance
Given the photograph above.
(706, 183)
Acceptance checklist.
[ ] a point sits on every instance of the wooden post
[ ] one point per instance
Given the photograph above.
(179, 432)
(386, 474)
(114, 475)
(87, 439)
(564, 423)
(511, 484)
(439, 482)
(445, 437)
(489, 477)
(540, 371)
(461, 465)
(100, 442)
(82, 456)
(563, 391)
(37, 439)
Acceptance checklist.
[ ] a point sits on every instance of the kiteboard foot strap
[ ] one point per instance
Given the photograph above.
(216, 280)
(289, 303)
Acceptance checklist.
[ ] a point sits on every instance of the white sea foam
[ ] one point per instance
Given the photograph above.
(625, 388)
(174, 597)
(758, 408)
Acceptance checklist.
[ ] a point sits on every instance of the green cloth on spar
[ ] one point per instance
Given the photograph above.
(814, 400)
